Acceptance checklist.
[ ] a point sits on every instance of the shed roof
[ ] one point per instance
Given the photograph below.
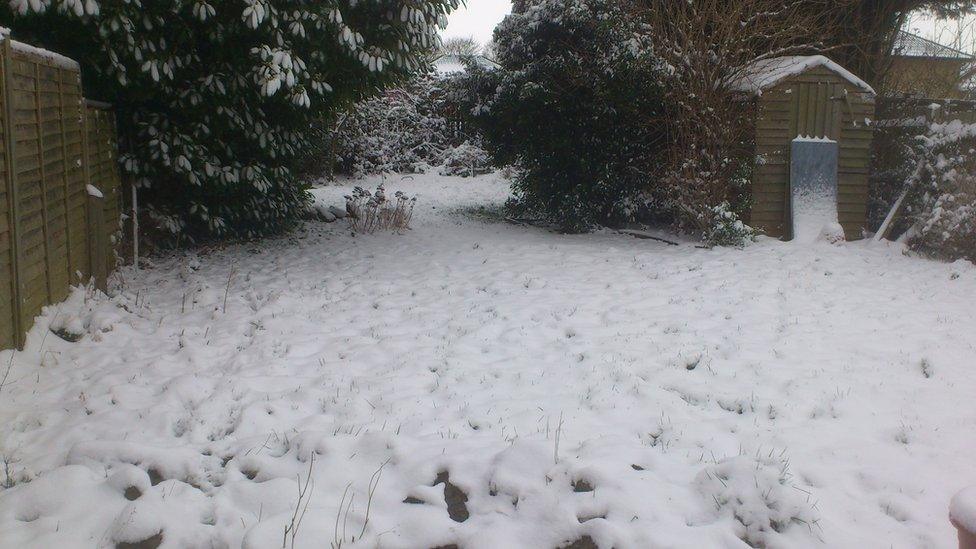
(913, 45)
(768, 73)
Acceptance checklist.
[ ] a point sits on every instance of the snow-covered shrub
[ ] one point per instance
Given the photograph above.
(404, 130)
(727, 229)
(573, 107)
(757, 493)
(897, 123)
(214, 99)
(943, 202)
(466, 160)
(398, 131)
(373, 211)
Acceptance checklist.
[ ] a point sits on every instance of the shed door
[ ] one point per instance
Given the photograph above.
(817, 109)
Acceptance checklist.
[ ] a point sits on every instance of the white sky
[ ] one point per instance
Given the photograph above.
(957, 34)
(477, 20)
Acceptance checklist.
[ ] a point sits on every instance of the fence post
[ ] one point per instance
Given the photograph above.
(96, 228)
(13, 196)
(96, 239)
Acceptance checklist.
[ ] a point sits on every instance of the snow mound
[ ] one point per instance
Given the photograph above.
(757, 495)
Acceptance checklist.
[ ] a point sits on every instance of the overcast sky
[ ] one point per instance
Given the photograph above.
(479, 18)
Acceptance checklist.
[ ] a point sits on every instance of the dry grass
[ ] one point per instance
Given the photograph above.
(373, 211)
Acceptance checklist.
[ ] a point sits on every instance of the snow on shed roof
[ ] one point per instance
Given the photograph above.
(767, 73)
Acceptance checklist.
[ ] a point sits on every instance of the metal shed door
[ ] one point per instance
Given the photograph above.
(813, 187)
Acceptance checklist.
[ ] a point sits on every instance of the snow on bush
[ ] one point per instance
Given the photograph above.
(757, 494)
(405, 130)
(943, 208)
(727, 229)
(214, 99)
(466, 160)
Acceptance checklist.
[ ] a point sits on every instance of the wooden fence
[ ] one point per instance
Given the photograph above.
(58, 153)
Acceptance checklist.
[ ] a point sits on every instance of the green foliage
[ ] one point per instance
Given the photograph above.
(727, 229)
(214, 99)
(574, 107)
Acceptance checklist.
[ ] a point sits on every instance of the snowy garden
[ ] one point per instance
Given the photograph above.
(670, 273)
(475, 383)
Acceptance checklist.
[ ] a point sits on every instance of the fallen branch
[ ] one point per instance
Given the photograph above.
(644, 235)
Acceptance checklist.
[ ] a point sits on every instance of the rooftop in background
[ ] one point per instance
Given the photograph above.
(453, 64)
(913, 45)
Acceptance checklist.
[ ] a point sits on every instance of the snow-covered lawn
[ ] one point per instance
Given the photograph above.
(598, 387)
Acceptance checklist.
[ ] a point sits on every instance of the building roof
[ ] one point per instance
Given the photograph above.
(768, 73)
(913, 45)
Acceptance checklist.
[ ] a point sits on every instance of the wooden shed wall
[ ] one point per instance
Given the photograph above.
(812, 104)
(53, 145)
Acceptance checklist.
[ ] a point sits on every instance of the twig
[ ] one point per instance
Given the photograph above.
(230, 277)
(646, 236)
(374, 482)
(296, 518)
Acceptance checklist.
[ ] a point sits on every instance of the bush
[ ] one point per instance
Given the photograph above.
(942, 203)
(466, 160)
(727, 229)
(575, 107)
(214, 99)
(399, 131)
(405, 130)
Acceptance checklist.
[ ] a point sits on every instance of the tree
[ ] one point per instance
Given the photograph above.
(862, 33)
(460, 47)
(573, 107)
(214, 98)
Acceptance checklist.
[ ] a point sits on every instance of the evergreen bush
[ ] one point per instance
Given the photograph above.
(214, 99)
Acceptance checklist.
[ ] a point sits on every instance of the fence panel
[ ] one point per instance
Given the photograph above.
(54, 144)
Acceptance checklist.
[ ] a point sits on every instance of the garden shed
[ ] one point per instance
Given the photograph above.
(816, 100)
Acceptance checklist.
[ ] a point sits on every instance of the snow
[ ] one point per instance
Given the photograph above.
(55, 59)
(768, 73)
(811, 139)
(635, 392)
(93, 191)
(963, 509)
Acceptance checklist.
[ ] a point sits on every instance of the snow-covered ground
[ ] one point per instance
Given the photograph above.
(597, 387)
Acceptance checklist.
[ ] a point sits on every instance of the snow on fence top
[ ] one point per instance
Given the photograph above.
(56, 59)
(767, 73)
